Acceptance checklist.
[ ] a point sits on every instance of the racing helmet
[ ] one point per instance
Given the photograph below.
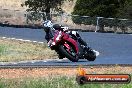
(46, 25)
(57, 27)
(60, 27)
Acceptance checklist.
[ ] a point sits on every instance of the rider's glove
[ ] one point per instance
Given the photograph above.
(65, 29)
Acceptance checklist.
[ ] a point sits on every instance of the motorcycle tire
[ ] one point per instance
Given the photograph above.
(90, 55)
(67, 54)
(60, 55)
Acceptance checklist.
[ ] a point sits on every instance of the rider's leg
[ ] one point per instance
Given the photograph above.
(82, 41)
(79, 38)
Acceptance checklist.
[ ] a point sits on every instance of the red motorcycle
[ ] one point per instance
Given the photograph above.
(67, 46)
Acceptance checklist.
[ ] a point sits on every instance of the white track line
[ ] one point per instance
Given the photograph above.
(97, 52)
(22, 40)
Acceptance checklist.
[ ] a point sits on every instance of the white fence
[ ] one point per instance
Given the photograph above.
(86, 23)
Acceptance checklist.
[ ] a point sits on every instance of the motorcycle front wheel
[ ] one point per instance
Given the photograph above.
(67, 54)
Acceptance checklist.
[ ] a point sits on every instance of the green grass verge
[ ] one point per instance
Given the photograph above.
(19, 51)
(58, 82)
(2, 49)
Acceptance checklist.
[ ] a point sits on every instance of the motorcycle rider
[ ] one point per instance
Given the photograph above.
(74, 34)
(49, 33)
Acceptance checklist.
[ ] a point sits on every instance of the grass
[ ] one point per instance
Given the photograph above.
(2, 49)
(55, 82)
(12, 4)
(56, 77)
(17, 51)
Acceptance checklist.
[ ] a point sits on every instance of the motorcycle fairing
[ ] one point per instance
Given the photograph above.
(72, 41)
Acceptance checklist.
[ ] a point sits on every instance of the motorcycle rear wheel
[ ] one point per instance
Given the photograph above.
(67, 54)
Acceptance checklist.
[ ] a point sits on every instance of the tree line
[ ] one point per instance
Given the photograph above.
(93, 8)
(103, 8)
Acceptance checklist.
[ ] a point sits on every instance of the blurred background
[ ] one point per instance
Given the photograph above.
(14, 12)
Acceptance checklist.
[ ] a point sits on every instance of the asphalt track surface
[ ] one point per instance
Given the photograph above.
(112, 48)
